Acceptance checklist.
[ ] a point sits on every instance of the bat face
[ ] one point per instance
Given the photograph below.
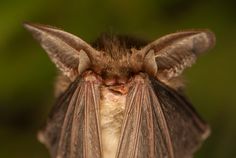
(121, 97)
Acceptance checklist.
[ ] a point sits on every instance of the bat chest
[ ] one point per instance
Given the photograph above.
(112, 106)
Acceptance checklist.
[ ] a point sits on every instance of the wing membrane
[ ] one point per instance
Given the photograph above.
(187, 129)
(73, 128)
(143, 133)
(159, 123)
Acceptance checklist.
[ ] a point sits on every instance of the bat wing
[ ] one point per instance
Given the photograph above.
(159, 123)
(186, 128)
(72, 129)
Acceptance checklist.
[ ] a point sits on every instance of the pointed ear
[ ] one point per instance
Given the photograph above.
(70, 54)
(168, 56)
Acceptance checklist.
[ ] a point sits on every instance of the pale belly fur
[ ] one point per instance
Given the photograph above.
(112, 107)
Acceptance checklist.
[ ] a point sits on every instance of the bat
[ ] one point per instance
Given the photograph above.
(122, 97)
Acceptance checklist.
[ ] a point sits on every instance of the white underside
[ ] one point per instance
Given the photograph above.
(112, 107)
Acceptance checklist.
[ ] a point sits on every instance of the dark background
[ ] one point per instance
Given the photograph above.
(27, 75)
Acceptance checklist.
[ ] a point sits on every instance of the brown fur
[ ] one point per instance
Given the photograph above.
(117, 52)
(117, 61)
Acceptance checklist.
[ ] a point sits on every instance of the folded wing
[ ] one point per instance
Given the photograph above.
(73, 128)
(159, 123)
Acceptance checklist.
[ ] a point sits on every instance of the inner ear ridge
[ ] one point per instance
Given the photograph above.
(149, 63)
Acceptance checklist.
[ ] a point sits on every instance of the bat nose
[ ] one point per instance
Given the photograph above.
(115, 80)
(122, 80)
(110, 81)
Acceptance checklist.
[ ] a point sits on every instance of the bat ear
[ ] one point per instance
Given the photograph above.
(169, 55)
(69, 53)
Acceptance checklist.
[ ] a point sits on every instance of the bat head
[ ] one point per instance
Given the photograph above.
(119, 58)
(116, 59)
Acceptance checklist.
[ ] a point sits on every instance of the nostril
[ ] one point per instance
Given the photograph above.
(110, 81)
(115, 80)
(122, 80)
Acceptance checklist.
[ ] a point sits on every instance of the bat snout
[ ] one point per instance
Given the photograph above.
(115, 80)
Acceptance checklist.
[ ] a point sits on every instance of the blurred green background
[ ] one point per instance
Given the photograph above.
(27, 75)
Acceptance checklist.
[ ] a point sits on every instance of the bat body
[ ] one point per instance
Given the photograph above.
(121, 97)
